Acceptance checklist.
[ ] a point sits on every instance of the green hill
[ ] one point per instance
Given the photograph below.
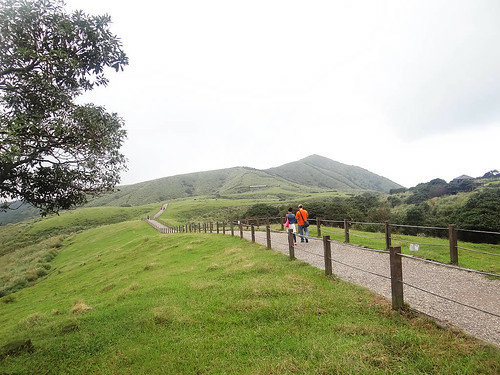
(324, 173)
(238, 181)
(310, 175)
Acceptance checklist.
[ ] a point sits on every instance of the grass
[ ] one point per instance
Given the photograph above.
(27, 248)
(125, 299)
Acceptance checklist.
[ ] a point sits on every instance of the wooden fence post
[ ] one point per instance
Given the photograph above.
(396, 277)
(268, 235)
(318, 224)
(223, 227)
(282, 223)
(387, 236)
(232, 228)
(217, 222)
(328, 255)
(291, 248)
(252, 228)
(452, 234)
(241, 229)
(346, 231)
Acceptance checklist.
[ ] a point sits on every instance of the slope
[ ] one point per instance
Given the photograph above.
(325, 173)
(223, 182)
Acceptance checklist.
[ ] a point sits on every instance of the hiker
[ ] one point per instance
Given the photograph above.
(290, 217)
(302, 216)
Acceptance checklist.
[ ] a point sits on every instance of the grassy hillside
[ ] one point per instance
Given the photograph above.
(124, 299)
(225, 182)
(319, 171)
(27, 248)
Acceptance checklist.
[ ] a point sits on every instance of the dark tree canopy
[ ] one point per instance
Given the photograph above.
(54, 154)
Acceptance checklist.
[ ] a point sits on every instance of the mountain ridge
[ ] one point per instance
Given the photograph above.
(312, 174)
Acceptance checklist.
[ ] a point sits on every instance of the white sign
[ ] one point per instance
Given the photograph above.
(414, 247)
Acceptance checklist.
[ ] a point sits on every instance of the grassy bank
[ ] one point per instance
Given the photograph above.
(27, 248)
(124, 299)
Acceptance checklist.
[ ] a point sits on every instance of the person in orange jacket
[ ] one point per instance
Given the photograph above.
(301, 217)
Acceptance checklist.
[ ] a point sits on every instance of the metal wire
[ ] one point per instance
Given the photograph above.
(451, 300)
(360, 269)
(357, 222)
(449, 265)
(308, 252)
(415, 226)
(477, 231)
(477, 251)
(418, 243)
(357, 235)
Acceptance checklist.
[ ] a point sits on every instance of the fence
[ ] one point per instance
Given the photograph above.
(251, 227)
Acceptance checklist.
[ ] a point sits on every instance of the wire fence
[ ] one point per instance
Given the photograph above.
(397, 282)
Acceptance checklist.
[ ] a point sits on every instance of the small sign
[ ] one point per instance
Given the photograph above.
(414, 247)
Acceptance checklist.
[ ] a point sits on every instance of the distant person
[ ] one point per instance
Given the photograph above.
(302, 216)
(291, 222)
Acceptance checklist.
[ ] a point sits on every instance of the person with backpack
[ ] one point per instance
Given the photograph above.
(290, 217)
(302, 216)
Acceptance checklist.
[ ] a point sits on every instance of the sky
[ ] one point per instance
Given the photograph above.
(409, 90)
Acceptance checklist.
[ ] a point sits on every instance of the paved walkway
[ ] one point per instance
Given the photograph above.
(435, 280)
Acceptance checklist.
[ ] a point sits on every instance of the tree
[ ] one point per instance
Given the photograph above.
(480, 213)
(55, 154)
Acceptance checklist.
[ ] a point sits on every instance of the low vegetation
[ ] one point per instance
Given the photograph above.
(123, 298)
(27, 248)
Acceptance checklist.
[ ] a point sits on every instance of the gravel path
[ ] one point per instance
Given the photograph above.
(458, 285)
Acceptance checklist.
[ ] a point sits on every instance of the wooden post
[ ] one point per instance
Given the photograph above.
(346, 231)
(282, 223)
(211, 227)
(452, 234)
(241, 229)
(232, 228)
(199, 227)
(268, 235)
(387, 236)
(252, 228)
(291, 248)
(223, 227)
(328, 255)
(217, 223)
(318, 223)
(396, 277)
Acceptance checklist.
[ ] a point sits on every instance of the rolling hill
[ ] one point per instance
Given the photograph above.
(325, 173)
(311, 174)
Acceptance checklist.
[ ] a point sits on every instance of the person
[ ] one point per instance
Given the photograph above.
(292, 220)
(302, 216)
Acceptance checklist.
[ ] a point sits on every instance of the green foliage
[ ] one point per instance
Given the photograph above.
(261, 210)
(481, 212)
(55, 154)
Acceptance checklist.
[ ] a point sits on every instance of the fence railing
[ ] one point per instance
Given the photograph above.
(389, 233)
(387, 229)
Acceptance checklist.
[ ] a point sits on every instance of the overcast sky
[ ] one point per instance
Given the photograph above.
(409, 90)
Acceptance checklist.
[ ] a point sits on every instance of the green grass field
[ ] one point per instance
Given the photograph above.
(124, 299)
